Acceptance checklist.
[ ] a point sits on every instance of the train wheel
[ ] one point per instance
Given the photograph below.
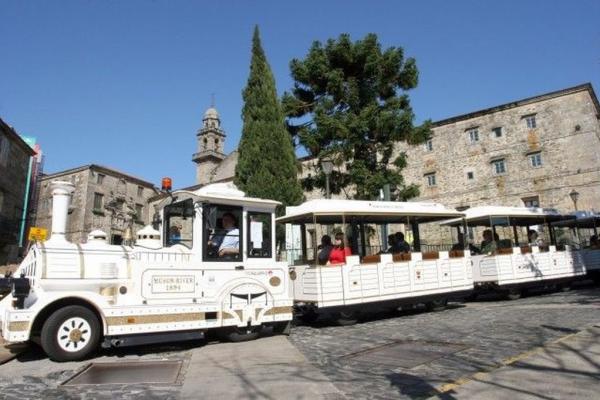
(564, 287)
(71, 333)
(283, 328)
(243, 334)
(436, 305)
(514, 294)
(308, 317)
(346, 318)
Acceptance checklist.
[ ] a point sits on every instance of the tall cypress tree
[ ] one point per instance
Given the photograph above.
(267, 165)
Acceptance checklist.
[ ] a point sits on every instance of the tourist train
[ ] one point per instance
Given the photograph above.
(209, 263)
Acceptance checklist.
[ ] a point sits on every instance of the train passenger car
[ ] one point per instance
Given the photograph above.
(518, 249)
(212, 267)
(369, 275)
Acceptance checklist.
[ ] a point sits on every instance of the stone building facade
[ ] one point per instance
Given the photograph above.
(15, 156)
(104, 198)
(531, 152)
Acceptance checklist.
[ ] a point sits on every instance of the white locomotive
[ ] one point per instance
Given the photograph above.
(211, 266)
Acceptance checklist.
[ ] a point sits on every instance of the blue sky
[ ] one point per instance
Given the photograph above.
(125, 83)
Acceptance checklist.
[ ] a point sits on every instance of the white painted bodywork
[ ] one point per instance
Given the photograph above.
(355, 283)
(140, 289)
(518, 268)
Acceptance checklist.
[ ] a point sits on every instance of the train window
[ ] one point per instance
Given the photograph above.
(222, 233)
(260, 234)
(179, 222)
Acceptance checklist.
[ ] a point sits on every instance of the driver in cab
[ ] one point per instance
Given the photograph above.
(228, 242)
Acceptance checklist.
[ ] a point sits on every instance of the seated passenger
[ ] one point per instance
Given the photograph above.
(174, 235)
(228, 242)
(391, 241)
(488, 244)
(340, 250)
(461, 244)
(401, 245)
(534, 240)
(594, 242)
(324, 250)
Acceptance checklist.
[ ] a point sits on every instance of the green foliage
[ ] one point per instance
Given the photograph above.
(267, 165)
(349, 103)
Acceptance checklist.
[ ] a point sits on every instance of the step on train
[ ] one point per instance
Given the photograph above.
(210, 265)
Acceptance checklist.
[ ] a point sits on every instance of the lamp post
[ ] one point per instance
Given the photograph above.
(574, 196)
(327, 167)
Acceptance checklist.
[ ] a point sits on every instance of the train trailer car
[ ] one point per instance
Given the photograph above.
(211, 266)
(369, 275)
(518, 249)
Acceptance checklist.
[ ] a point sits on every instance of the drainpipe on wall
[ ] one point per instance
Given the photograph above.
(25, 204)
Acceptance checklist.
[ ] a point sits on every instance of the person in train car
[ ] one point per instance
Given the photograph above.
(461, 244)
(488, 244)
(228, 242)
(392, 248)
(534, 239)
(340, 250)
(401, 244)
(594, 242)
(324, 250)
(174, 234)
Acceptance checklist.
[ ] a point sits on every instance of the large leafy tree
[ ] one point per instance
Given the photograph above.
(267, 165)
(349, 103)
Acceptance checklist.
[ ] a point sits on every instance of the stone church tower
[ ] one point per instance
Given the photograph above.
(211, 140)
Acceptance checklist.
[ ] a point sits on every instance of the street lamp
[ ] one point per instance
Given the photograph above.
(574, 196)
(327, 167)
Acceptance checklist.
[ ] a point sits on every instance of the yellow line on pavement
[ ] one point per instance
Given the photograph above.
(507, 361)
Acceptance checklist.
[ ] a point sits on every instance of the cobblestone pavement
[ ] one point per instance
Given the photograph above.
(364, 360)
(490, 331)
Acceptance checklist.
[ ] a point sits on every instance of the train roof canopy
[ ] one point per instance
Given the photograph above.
(520, 216)
(336, 211)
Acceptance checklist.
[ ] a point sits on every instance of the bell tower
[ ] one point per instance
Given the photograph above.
(211, 141)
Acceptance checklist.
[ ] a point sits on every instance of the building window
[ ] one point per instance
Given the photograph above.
(497, 132)
(100, 179)
(140, 191)
(533, 201)
(429, 145)
(470, 175)
(535, 160)
(430, 179)
(473, 135)
(139, 210)
(499, 166)
(98, 201)
(530, 121)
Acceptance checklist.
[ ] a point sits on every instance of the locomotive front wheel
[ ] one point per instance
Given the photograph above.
(70, 334)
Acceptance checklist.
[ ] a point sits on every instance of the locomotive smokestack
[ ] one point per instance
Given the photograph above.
(61, 196)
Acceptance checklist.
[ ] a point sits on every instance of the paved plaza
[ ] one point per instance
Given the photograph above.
(546, 346)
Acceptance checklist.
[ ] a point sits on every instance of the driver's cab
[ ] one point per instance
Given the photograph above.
(219, 224)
